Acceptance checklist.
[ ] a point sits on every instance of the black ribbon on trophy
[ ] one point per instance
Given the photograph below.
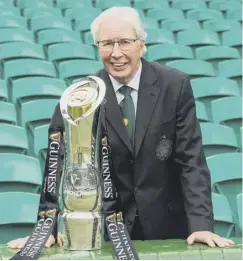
(49, 207)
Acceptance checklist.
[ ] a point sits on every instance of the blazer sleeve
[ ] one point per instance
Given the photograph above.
(189, 155)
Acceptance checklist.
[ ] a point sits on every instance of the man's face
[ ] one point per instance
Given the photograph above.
(122, 61)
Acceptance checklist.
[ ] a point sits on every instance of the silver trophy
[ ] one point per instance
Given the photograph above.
(80, 222)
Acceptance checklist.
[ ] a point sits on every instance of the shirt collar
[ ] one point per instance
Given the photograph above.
(134, 83)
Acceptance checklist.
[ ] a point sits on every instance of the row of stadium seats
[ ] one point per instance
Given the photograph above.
(83, 23)
(22, 207)
(32, 138)
(72, 69)
(202, 37)
(180, 5)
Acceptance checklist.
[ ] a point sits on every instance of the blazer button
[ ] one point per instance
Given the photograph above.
(130, 162)
(136, 189)
(129, 222)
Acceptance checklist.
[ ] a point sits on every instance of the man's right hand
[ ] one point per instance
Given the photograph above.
(20, 242)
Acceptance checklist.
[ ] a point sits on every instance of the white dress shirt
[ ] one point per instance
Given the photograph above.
(134, 84)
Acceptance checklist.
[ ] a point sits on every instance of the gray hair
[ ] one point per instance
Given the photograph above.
(121, 13)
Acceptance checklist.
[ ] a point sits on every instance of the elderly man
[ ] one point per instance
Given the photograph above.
(159, 164)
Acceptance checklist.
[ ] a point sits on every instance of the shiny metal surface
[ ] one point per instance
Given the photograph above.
(80, 223)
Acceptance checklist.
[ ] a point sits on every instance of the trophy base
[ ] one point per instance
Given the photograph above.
(80, 230)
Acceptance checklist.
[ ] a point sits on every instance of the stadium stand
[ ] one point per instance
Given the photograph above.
(156, 36)
(18, 34)
(180, 25)
(21, 173)
(7, 113)
(3, 91)
(45, 45)
(226, 178)
(218, 139)
(223, 219)
(163, 53)
(195, 68)
(13, 139)
(57, 35)
(20, 218)
(20, 50)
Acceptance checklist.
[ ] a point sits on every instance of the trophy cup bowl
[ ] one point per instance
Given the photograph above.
(80, 221)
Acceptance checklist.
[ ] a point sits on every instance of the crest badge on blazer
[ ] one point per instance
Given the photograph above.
(164, 148)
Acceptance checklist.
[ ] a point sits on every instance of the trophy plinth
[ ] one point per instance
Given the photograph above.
(80, 222)
(80, 231)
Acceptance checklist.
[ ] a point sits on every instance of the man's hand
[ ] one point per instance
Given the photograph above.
(20, 242)
(209, 238)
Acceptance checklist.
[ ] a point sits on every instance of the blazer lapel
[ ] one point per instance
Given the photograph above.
(113, 113)
(147, 97)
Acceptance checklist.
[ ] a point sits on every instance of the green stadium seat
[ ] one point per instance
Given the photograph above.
(12, 21)
(18, 215)
(221, 25)
(63, 4)
(82, 24)
(7, 10)
(180, 25)
(74, 13)
(32, 12)
(234, 14)
(162, 14)
(168, 52)
(228, 111)
(49, 21)
(207, 89)
(226, 178)
(40, 143)
(28, 67)
(203, 14)
(239, 208)
(32, 114)
(19, 173)
(218, 139)
(223, 5)
(32, 88)
(13, 139)
(33, 3)
(18, 50)
(201, 112)
(57, 35)
(233, 38)
(145, 5)
(67, 51)
(216, 54)
(223, 218)
(6, 3)
(186, 5)
(16, 34)
(7, 113)
(156, 36)
(88, 38)
(231, 69)
(75, 69)
(149, 23)
(104, 4)
(3, 91)
(194, 68)
(36, 112)
(198, 38)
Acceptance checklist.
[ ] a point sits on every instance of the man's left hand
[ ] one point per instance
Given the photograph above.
(209, 238)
